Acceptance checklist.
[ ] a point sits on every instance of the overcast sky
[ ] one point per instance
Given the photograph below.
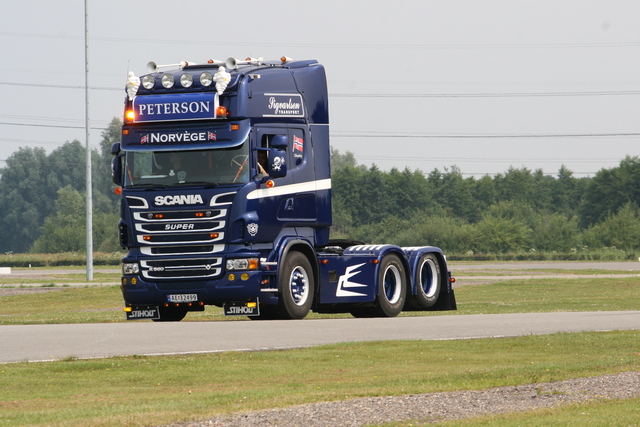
(483, 85)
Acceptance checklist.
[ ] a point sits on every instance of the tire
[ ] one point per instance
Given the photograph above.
(171, 314)
(392, 287)
(429, 281)
(297, 287)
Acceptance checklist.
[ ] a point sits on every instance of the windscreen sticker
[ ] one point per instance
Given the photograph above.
(176, 137)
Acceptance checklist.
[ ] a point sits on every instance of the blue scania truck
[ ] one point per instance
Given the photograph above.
(223, 171)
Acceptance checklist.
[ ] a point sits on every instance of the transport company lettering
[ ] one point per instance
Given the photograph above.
(174, 108)
(181, 199)
(284, 105)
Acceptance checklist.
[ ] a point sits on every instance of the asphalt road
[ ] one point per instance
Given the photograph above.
(51, 342)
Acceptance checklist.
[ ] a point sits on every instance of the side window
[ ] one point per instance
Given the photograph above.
(262, 159)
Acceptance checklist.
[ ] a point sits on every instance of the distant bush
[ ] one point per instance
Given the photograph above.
(607, 254)
(59, 260)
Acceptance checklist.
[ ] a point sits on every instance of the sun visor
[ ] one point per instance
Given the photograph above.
(185, 137)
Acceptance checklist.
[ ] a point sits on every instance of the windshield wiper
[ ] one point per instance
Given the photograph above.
(207, 184)
(147, 186)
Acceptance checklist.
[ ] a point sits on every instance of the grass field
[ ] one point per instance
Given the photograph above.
(139, 391)
(91, 304)
(155, 390)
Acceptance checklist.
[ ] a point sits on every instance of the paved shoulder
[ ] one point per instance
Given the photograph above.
(50, 342)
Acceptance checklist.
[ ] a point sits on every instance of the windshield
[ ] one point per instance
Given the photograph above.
(199, 167)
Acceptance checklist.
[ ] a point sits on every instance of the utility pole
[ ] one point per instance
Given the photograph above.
(89, 201)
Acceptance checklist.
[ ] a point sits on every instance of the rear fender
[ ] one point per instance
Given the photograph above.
(414, 254)
(380, 251)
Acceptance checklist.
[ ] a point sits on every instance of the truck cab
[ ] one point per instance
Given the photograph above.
(225, 180)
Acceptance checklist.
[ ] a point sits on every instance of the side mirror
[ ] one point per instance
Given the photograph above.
(116, 169)
(280, 142)
(115, 149)
(277, 165)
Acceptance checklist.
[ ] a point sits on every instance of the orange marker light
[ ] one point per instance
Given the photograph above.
(221, 111)
(235, 126)
(270, 184)
(118, 190)
(130, 115)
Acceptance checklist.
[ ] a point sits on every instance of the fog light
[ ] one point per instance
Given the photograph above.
(130, 268)
(167, 81)
(244, 276)
(206, 79)
(186, 80)
(148, 82)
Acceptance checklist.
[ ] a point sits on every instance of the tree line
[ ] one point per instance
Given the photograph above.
(520, 211)
(43, 198)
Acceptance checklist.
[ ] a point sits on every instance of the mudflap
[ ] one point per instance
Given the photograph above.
(143, 312)
(446, 301)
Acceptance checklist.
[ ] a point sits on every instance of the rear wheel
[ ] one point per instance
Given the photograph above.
(429, 281)
(392, 287)
(297, 286)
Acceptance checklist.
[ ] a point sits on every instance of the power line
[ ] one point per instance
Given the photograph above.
(481, 95)
(486, 159)
(480, 136)
(387, 95)
(59, 86)
(334, 45)
(49, 126)
(407, 135)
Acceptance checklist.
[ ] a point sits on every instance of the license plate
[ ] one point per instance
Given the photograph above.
(241, 308)
(182, 297)
(143, 313)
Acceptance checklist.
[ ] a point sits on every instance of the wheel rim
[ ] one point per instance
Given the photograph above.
(299, 286)
(428, 278)
(392, 283)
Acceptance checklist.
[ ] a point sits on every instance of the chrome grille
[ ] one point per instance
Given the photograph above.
(181, 268)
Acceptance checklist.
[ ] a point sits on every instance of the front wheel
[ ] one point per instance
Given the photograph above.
(392, 287)
(297, 287)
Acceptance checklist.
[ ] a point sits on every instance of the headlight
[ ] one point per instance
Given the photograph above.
(242, 264)
(168, 81)
(148, 82)
(130, 268)
(206, 79)
(186, 80)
